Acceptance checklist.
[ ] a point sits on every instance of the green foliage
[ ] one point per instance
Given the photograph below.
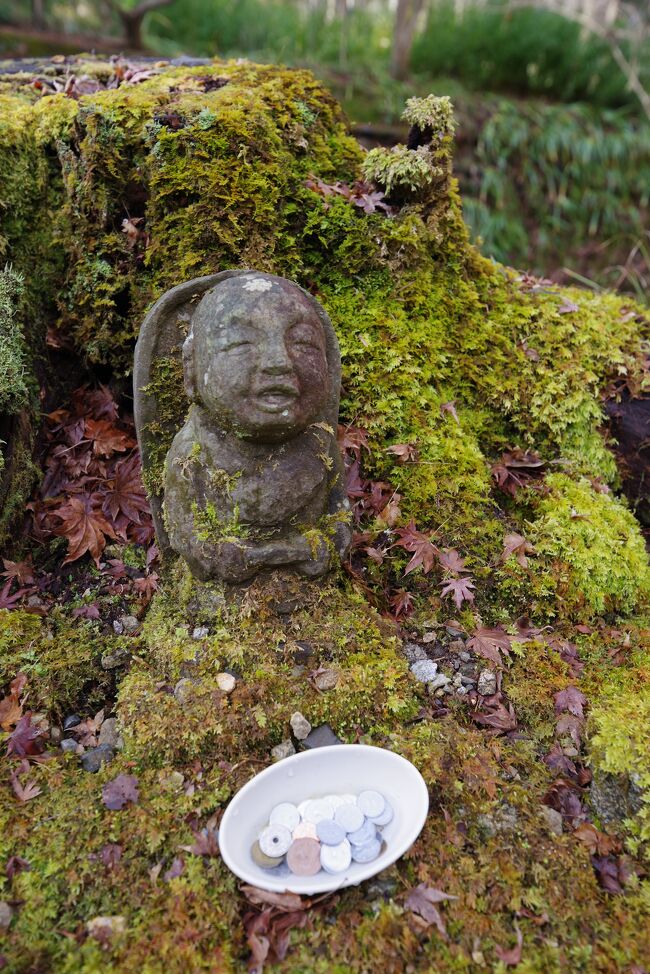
(592, 545)
(582, 176)
(527, 52)
(398, 168)
(432, 112)
(14, 387)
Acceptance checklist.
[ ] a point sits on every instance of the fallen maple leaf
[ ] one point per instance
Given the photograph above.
(206, 843)
(512, 956)
(106, 438)
(567, 307)
(570, 699)
(8, 601)
(401, 603)
(420, 545)
(288, 902)
(460, 590)
(405, 452)
(516, 469)
(491, 644)
(25, 739)
(423, 899)
(450, 409)
(85, 528)
(120, 791)
(452, 561)
(124, 492)
(497, 714)
(596, 841)
(26, 792)
(515, 545)
(11, 709)
(16, 865)
(22, 571)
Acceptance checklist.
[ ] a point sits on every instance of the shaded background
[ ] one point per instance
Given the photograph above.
(552, 99)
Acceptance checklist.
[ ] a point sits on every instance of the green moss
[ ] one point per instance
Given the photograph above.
(591, 545)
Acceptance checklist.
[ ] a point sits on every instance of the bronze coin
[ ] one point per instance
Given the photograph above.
(260, 859)
(303, 858)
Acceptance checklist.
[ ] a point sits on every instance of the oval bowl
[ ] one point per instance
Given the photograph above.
(336, 769)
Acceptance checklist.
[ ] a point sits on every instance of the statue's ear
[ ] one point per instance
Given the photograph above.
(189, 371)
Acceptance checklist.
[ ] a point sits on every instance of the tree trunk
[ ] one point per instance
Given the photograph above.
(38, 14)
(406, 18)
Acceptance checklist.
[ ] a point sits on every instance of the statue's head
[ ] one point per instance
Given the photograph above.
(256, 357)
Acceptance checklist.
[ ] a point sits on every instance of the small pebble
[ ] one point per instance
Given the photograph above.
(336, 858)
(487, 683)
(329, 832)
(285, 814)
(184, 691)
(282, 750)
(300, 726)
(275, 841)
(109, 734)
(303, 858)
(130, 624)
(261, 859)
(93, 759)
(371, 803)
(72, 720)
(349, 817)
(322, 736)
(69, 744)
(414, 652)
(226, 682)
(425, 670)
(200, 632)
(440, 681)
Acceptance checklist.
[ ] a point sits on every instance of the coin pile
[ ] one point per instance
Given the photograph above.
(323, 833)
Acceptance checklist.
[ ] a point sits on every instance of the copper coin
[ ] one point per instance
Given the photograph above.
(303, 858)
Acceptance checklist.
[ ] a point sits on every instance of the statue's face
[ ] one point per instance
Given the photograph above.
(259, 358)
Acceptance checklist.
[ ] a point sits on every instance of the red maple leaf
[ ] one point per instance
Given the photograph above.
(26, 792)
(120, 791)
(106, 438)
(84, 526)
(401, 603)
(423, 550)
(570, 699)
(22, 571)
(516, 545)
(25, 739)
(423, 900)
(450, 409)
(491, 644)
(460, 590)
(452, 561)
(124, 492)
(405, 452)
(516, 469)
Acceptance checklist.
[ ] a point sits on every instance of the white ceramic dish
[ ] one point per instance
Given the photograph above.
(325, 770)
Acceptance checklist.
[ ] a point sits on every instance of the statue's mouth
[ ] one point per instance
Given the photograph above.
(276, 398)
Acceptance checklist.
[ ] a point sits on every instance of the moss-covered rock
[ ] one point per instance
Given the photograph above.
(442, 350)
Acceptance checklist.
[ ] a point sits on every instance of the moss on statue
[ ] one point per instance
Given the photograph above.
(216, 173)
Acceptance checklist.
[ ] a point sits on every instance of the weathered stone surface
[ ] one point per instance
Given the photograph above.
(321, 736)
(109, 734)
(300, 726)
(92, 760)
(614, 798)
(253, 479)
(282, 750)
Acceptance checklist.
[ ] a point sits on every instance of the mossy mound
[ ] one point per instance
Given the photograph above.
(120, 194)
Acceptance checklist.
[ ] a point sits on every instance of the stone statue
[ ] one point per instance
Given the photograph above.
(253, 479)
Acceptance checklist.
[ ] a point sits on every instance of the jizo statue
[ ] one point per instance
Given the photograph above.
(253, 479)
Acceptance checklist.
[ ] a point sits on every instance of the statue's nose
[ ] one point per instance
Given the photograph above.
(276, 359)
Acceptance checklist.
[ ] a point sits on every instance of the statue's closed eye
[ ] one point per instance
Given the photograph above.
(237, 344)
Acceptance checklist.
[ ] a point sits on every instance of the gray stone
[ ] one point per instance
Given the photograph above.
(6, 913)
(200, 632)
(283, 750)
(255, 465)
(184, 691)
(119, 657)
(92, 760)
(69, 744)
(414, 652)
(553, 819)
(130, 624)
(614, 797)
(464, 656)
(56, 734)
(456, 646)
(300, 726)
(504, 819)
(72, 720)
(424, 670)
(109, 734)
(487, 683)
(226, 682)
(321, 736)
(439, 682)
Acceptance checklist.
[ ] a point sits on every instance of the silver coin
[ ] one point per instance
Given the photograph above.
(366, 853)
(329, 832)
(275, 840)
(317, 810)
(365, 834)
(285, 814)
(371, 803)
(385, 817)
(336, 858)
(349, 817)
